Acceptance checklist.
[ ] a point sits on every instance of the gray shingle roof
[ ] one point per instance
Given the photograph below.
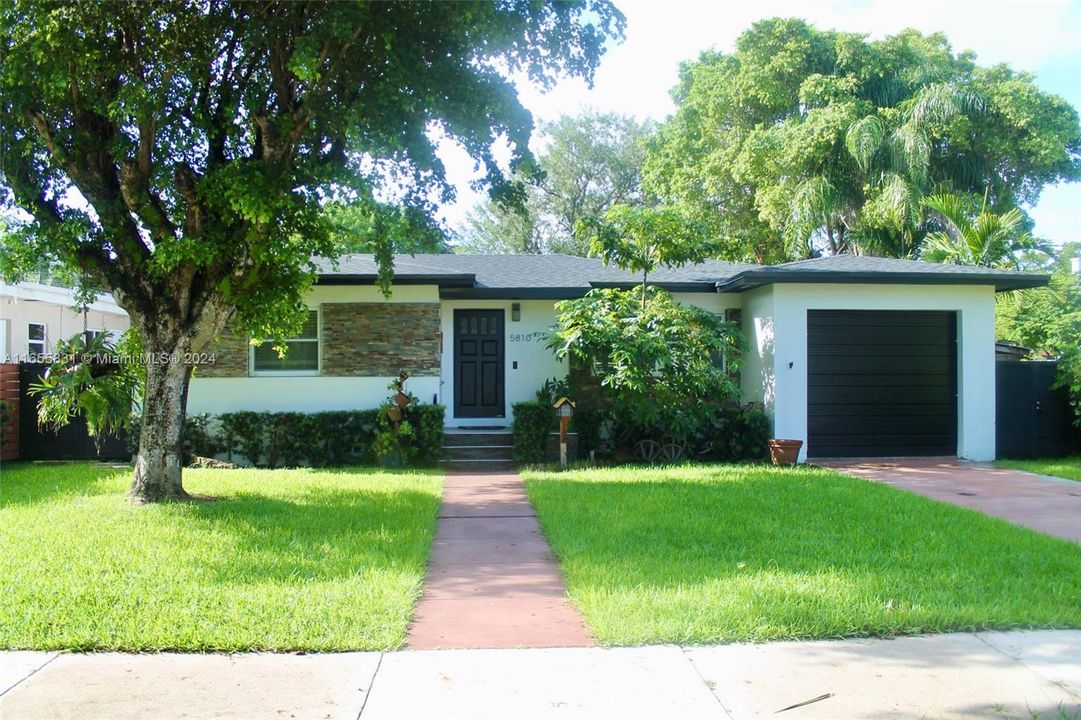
(555, 276)
(502, 275)
(869, 269)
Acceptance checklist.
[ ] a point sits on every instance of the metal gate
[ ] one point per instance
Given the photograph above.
(1033, 418)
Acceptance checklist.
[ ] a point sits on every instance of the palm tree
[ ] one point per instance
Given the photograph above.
(988, 239)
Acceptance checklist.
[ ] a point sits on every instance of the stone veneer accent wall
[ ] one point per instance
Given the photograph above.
(380, 339)
(230, 356)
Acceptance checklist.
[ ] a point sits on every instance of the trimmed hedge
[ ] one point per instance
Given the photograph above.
(333, 438)
(532, 423)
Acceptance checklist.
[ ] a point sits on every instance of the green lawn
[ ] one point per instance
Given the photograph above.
(282, 560)
(707, 554)
(1068, 467)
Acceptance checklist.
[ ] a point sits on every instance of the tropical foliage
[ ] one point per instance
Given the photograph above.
(641, 239)
(804, 140)
(986, 239)
(660, 364)
(589, 163)
(181, 154)
(93, 378)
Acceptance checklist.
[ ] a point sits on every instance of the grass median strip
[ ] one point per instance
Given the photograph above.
(278, 560)
(1067, 467)
(705, 554)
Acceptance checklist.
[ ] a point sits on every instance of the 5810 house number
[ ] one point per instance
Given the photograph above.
(527, 337)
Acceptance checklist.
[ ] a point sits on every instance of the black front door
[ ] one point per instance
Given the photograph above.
(478, 363)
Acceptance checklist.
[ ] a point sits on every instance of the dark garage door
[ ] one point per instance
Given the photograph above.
(881, 383)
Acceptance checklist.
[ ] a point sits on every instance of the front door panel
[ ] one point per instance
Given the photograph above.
(478, 363)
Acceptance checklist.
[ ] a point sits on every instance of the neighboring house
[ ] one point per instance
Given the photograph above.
(35, 316)
(854, 355)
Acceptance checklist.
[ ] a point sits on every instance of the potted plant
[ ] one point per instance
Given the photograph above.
(784, 452)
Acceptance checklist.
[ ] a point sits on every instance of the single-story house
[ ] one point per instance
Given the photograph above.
(36, 314)
(857, 356)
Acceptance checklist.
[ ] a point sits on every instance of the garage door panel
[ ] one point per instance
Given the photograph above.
(881, 383)
(889, 365)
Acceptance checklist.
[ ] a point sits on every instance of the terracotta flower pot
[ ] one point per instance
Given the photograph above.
(784, 452)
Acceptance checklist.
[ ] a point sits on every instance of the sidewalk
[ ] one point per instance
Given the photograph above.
(962, 675)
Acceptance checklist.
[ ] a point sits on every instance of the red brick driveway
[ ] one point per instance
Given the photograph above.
(1050, 505)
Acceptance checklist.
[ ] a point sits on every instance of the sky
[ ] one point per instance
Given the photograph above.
(1040, 36)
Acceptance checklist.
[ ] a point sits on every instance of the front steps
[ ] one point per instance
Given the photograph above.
(477, 450)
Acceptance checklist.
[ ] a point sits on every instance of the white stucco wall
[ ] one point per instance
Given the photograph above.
(309, 393)
(25, 303)
(525, 345)
(757, 375)
(779, 313)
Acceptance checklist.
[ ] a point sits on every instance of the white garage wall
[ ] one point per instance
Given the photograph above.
(974, 306)
(757, 375)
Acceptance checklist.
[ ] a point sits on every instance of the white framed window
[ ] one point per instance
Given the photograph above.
(37, 338)
(301, 357)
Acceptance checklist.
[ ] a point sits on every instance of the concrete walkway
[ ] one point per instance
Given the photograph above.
(492, 581)
(1049, 505)
(1000, 675)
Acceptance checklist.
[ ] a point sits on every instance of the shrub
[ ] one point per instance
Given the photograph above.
(735, 434)
(323, 439)
(657, 362)
(587, 423)
(427, 421)
(530, 428)
(244, 432)
(198, 438)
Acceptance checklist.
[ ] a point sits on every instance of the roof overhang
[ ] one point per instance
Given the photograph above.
(750, 279)
(509, 293)
(689, 287)
(459, 280)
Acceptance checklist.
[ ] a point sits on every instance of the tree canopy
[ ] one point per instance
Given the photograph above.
(805, 140)
(180, 154)
(590, 162)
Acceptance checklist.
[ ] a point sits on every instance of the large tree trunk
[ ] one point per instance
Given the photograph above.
(161, 442)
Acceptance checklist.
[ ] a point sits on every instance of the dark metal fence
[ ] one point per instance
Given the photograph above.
(70, 442)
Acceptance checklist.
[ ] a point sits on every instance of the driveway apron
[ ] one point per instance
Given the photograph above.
(1049, 505)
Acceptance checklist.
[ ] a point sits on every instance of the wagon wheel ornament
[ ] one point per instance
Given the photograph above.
(672, 450)
(647, 451)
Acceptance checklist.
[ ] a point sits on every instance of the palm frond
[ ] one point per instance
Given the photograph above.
(864, 138)
(939, 102)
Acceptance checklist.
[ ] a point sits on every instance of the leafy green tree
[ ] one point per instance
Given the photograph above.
(658, 362)
(179, 154)
(803, 140)
(590, 163)
(1048, 321)
(984, 239)
(366, 229)
(641, 239)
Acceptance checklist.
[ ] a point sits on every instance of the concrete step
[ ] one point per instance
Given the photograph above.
(477, 452)
(477, 466)
(453, 438)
